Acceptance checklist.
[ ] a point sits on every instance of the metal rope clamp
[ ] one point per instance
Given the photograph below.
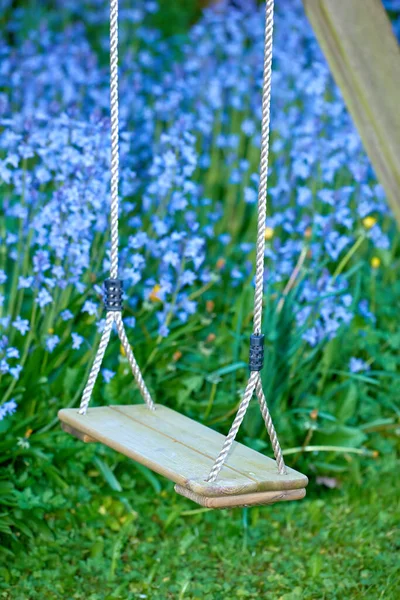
(256, 357)
(113, 290)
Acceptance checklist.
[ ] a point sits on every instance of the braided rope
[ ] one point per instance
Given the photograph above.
(230, 438)
(270, 426)
(114, 316)
(132, 361)
(105, 338)
(262, 186)
(254, 383)
(114, 109)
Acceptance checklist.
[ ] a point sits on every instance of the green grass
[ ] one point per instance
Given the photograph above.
(335, 544)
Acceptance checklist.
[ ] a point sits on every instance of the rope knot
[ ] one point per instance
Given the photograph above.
(256, 357)
(113, 290)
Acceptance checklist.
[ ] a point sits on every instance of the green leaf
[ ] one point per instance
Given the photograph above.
(69, 381)
(149, 475)
(107, 474)
(228, 369)
(340, 436)
(348, 404)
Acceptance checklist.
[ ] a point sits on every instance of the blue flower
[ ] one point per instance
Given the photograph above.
(163, 331)
(16, 371)
(25, 282)
(77, 341)
(8, 408)
(357, 365)
(22, 325)
(4, 366)
(130, 321)
(12, 352)
(51, 342)
(365, 312)
(250, 195)
(107, 375)
(90, 307)
(66, 315)
(44, 298)
(248, 127)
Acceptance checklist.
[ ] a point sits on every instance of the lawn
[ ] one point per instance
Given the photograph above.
(80, 521)
(335, 544)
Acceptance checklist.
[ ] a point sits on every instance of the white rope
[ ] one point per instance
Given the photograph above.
(114, 110)
(254, 384)
(114, 315)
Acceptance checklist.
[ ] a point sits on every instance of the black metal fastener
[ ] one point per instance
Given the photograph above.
(113, 290)
(256, 358)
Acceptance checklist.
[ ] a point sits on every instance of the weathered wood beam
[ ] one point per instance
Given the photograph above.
(357, 39)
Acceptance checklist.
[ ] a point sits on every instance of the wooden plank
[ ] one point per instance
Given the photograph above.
(180, 453)
(363, 54)
(143, 445)
(78, 434)
(256, 499)
(248, 462)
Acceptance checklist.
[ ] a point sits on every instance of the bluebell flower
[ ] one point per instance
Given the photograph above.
(248, 127)
(25, 282)
(130, 322)
(4, 366)
(311, 336)
(77, 341)
(66, 315)
(90, 307)
(379, 239)
(44, 298)
(335, 243)
(250, 195)
(4, 322)
(8, 408)
(107, 375)
(304, 196)
(3, 276)
(163, 331)
(51, 342)
(12, 352)
(15, 371)
(357, 365)
(365, 312)
(22, 325)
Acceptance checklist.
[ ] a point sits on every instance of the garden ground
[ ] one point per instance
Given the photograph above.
(340, 543)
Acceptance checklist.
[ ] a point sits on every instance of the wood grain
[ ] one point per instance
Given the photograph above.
(254, 499)
(180, 449)
(357, 39)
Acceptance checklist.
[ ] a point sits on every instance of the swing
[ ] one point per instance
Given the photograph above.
(156, 436)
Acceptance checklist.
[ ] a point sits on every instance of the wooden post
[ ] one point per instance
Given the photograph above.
(357, 39)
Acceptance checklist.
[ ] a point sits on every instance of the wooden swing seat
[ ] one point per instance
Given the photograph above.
(184, 451)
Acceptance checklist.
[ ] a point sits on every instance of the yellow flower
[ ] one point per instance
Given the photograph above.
(269, 233)
(375, 262)
(369, 222)
(122, 350)
(50, 331)
(154, 293)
